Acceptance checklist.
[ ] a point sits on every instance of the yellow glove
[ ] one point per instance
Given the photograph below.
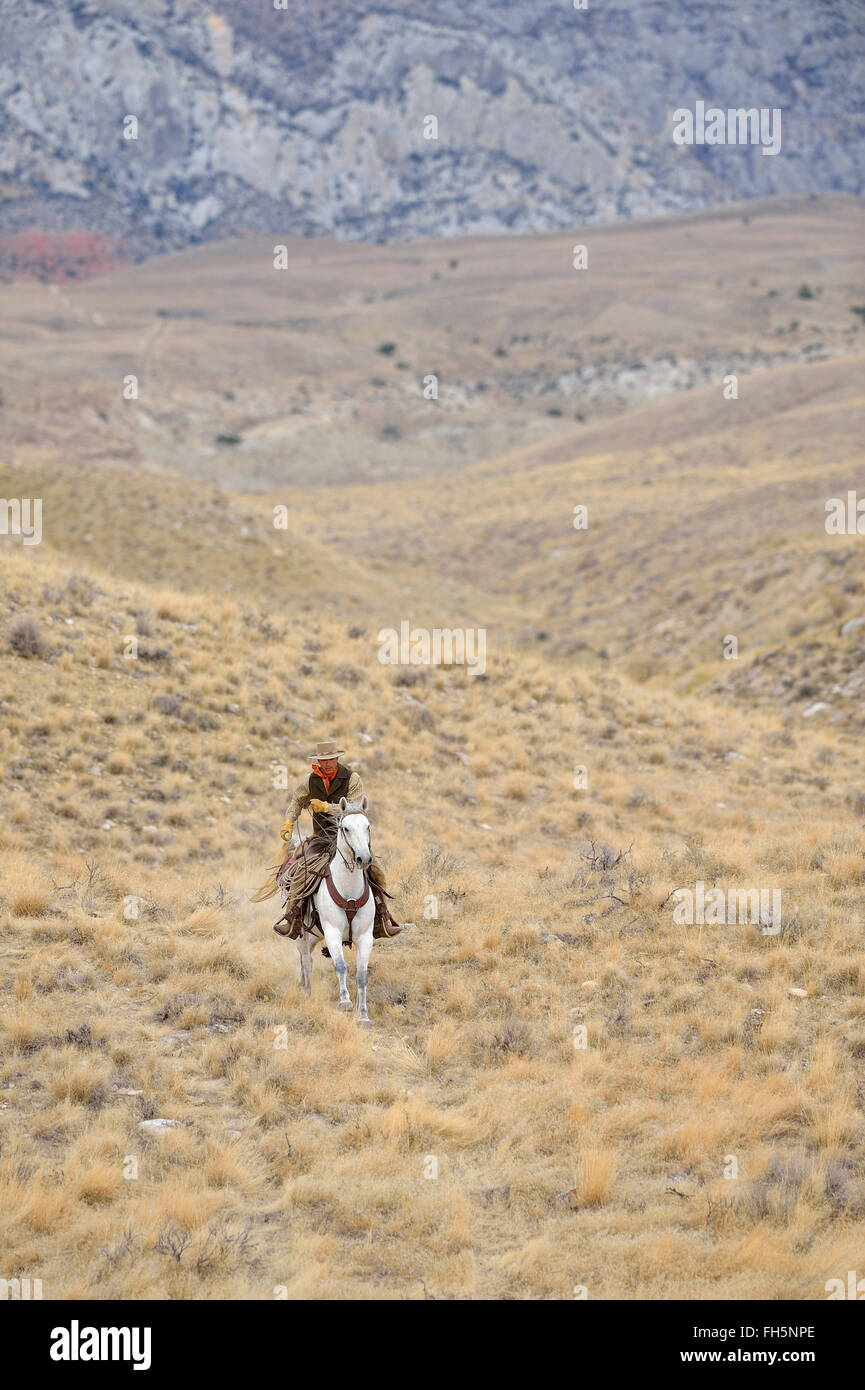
(287, 830)
(320, 806)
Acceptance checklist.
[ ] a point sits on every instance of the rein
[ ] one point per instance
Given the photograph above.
(350, 866)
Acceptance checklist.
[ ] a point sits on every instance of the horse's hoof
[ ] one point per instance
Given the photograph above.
(365, 1022)
(345, 1004)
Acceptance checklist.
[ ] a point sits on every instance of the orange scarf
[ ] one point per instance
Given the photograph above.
(325, 779)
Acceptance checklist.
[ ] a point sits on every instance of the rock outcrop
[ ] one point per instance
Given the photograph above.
(165, 122)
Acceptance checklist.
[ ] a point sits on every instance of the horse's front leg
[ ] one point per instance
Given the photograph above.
(303, 946)
(363, 946)
(333, 938)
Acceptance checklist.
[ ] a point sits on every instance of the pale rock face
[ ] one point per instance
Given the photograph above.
(205, 211)
(221, 43)
(310, 119)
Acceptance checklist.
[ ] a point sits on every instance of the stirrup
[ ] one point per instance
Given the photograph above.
(388, 929)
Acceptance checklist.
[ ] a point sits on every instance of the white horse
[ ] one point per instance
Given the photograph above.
(345, 906)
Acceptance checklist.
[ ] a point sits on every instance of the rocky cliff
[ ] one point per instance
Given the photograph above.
(164, 122)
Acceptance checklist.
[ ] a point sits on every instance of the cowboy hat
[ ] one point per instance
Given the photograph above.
(325, 751)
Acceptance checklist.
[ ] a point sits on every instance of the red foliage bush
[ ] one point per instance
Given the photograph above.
(48, 256)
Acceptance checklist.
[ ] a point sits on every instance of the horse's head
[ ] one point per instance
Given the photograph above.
(353, 831)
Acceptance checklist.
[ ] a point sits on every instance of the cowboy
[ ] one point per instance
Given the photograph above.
(321, 791)
(302, 870)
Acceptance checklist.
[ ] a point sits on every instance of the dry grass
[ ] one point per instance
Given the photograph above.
(430, 1158)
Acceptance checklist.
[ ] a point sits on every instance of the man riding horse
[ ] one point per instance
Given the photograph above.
(304, 866)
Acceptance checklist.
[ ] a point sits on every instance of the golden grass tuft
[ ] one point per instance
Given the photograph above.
(596, 1175)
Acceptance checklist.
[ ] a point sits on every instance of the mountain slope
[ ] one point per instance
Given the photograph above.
(292, 121)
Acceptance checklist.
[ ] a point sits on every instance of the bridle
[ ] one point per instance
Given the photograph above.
(353, 865)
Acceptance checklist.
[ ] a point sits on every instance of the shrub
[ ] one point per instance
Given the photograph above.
(25, 638)
(167, 704)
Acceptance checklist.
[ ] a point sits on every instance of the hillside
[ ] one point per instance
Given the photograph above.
(706, 515)
(255, 117)
(167, 656)
(252, 377)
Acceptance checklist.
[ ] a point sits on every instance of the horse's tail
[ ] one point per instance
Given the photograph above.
(269, 888)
